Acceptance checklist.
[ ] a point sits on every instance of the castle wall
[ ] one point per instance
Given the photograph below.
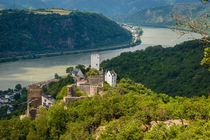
(72, 90)
(85, 88)
(97, 80)
(93, 90)
(68, 99)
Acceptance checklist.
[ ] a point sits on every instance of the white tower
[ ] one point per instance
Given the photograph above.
(95, 61)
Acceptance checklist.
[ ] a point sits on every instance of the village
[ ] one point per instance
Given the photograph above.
(92, 85)
(136, 32)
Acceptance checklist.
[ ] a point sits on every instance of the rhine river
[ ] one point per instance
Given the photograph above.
(34, 70)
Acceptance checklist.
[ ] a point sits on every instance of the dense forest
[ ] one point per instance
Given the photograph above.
(161, 16)
(56, 30)
(174, 71)
(128, 111)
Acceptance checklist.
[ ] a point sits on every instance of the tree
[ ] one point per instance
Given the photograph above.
(18, 87)
(92, 72)
(57, 76)
(81, 67)
(206, 59)
(69, 69)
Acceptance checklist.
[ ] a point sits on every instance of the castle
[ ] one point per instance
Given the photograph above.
(93, 86)
(95, 83)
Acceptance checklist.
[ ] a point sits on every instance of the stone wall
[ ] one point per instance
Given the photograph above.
(68, 99)
(94, 84)
(72, 90)
(85, 88)
(93, 90)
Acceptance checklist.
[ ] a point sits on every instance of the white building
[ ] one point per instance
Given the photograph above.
(95, 61)
(111, 78)
(47, 100)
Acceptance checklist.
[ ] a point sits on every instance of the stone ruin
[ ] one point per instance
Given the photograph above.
(94, 86)
(72, 94)
(34, 100)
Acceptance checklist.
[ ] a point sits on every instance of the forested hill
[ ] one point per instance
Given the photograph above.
(52, 30)
(126, 112)
(161, 16)
(174, 71)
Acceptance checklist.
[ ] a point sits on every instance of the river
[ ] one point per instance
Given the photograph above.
(34, 70)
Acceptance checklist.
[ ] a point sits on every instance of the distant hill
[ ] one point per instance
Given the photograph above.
(107, 7)
(175, 71)
(52, 30)
(160, 16)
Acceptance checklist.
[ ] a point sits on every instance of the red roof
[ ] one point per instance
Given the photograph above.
(83, 81)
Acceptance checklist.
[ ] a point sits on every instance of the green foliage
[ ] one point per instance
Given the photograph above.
(18, 87)
(92, 72)
(62, 93)
(206, 59)
(175, 71)
(122, 112)
(82, 68)
(31, 32)
(14, 128)
(80, 93)
(56, 76)
(55, 87)
(69, 69)
(197, 130)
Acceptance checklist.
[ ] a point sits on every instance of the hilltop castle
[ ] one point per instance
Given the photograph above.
(91, 87)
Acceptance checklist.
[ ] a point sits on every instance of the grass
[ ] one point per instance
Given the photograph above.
(52, 11)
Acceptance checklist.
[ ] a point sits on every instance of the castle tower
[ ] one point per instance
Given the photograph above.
(95, 61)
(34, 100)
(72, 90)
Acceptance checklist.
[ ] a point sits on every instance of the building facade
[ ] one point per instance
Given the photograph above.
(47, 100)
(95, 61)
(111, 78)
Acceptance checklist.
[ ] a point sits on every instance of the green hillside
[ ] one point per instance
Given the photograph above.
(56, 30)
(175, 71)
(160, 16)
(124, 112)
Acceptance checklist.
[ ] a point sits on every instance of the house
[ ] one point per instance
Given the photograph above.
(4, 100)
(111, 78)
(77, 74)
(47, 100)
(95, 61)
(7, 96)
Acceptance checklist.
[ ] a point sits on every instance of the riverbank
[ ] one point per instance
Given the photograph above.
(35, 56)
